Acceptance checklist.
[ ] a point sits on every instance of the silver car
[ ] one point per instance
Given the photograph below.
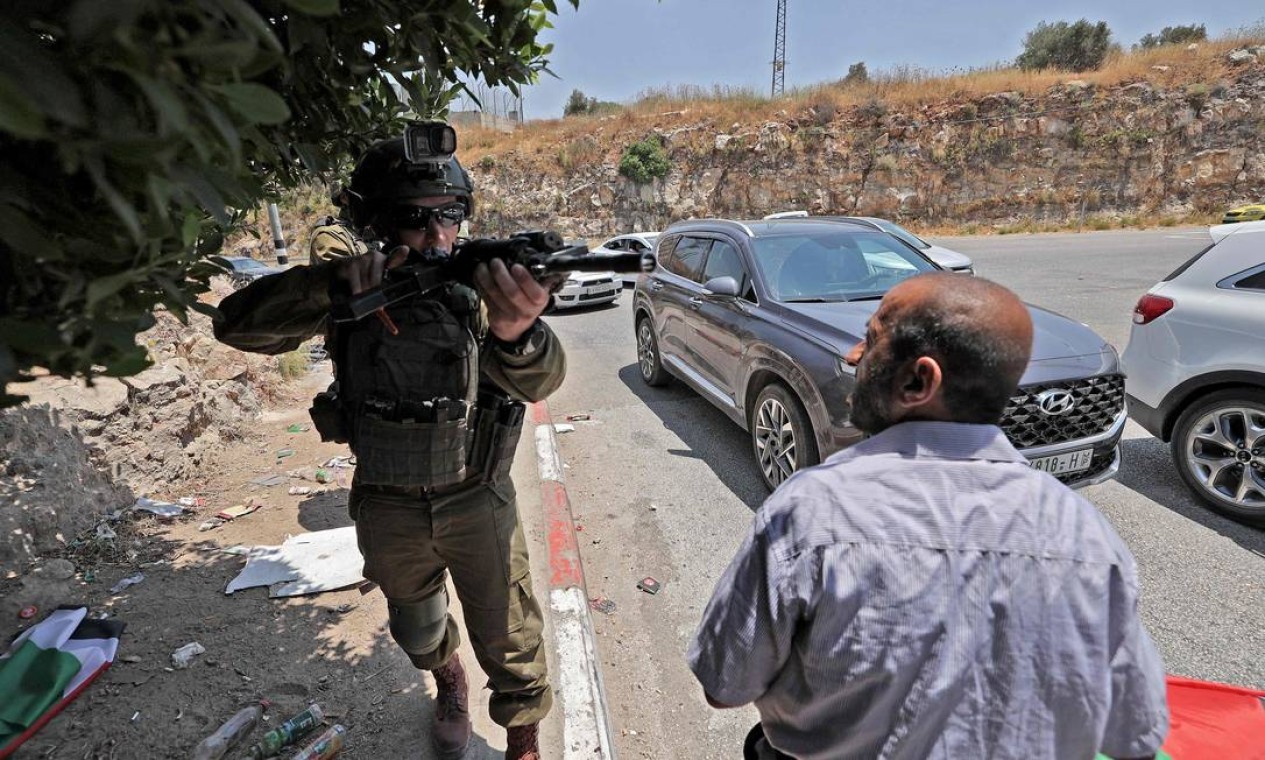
(1196, 370)
(945, 258)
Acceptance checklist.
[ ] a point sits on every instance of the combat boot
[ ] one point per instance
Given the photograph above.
(451, 731)
(522, 743)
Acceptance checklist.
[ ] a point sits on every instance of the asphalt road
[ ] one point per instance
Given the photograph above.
(664, 485)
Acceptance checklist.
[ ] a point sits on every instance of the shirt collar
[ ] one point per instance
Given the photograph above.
(942, 440)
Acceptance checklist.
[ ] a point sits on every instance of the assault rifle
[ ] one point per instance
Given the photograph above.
(542, 253)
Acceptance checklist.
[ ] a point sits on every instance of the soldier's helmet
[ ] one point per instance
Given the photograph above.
(384, 177)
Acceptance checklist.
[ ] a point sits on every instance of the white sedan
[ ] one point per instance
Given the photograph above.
(588, 289)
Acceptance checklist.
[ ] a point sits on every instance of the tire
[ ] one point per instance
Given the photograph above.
(782, 437)
(1218, 446)
(649, 362)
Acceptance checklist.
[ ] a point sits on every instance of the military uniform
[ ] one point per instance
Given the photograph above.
(334, 239)
(412, 534)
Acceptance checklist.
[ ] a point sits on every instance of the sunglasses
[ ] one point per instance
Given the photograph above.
(419, 217)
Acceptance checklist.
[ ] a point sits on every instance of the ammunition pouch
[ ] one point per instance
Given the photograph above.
(328, 416)
(498, 423)
(428, 448)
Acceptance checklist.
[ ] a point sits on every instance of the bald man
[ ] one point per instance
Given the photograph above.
(925, 593)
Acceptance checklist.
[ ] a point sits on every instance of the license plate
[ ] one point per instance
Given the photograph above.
(1061, 464)
(601, 290)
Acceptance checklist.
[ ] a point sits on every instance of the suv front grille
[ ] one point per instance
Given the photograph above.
(1099, 400)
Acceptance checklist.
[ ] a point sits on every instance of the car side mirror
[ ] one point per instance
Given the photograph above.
(721, 287)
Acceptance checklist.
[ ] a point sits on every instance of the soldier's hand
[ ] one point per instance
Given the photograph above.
(365, 271)
(514, 299)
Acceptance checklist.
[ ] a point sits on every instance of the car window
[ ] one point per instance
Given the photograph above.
(1254, 281)
(614, 244)
(636, 245)
(687, 259)
(249, 264)
(725, 261)
(664, 250)
(834, 265)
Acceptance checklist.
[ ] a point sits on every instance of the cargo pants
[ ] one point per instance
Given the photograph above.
(411, 540)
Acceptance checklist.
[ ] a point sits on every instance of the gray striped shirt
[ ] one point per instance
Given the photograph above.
(926, 594)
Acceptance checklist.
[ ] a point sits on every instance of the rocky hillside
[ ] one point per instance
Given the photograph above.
(1169, 136)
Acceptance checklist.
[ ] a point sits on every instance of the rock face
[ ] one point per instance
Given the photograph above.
(1076, 149)
(73, 452)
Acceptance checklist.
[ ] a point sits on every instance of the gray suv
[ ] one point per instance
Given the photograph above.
(757, 316)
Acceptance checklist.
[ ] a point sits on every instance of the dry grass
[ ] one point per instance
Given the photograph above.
(541, 145)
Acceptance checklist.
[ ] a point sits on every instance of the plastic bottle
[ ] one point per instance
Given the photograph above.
(287, 733)
(219, 743)
(324, 747)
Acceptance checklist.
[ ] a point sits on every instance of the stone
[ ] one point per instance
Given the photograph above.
(1241, 56)
(1160, 68)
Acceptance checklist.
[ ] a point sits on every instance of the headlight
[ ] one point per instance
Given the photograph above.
(570, 282)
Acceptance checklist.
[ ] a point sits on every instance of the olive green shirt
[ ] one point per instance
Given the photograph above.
(277, 313)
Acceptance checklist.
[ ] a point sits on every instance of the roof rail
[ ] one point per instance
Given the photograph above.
(787, 214)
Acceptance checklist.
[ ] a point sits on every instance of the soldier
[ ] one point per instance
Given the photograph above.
(431, 402)
(334, 237)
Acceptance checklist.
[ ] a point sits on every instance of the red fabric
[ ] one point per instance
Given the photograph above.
(1214, 721)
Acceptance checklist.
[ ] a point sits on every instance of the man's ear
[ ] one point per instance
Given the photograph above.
(920, 383)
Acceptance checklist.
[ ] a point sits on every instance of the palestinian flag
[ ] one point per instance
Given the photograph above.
(47, 666)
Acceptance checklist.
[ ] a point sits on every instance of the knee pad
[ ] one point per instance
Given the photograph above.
(418, 627)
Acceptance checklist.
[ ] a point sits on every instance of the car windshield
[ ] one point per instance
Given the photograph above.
(247, 264)
(831, 265)
(904, 234)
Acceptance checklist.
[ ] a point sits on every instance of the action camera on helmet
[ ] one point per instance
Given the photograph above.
(429, 142)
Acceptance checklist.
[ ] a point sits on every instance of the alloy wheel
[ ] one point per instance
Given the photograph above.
(1225, 455)
(646, 358)
(775, 441)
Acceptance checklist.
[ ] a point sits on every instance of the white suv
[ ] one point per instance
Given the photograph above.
(1195, 367)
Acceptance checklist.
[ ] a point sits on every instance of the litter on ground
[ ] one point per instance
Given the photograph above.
(130, 580)
(159, 508)
(308, 563)
(182, 657)
(238, 510)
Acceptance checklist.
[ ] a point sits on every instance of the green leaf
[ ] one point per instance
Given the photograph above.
(314, 7)
(100, 289)
(18, 115)
(257, 103)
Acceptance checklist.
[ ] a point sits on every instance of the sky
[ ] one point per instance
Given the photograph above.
(616, 49)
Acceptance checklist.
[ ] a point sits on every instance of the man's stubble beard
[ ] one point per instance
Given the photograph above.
(871, 405)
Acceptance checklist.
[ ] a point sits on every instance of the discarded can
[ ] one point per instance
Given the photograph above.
(649, 585)
(322, 476)
(325, 746)
(28, 612)
(218, 744)
(287, 733)
(298, 428)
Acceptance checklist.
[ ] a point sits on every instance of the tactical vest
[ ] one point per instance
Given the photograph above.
(415, 415)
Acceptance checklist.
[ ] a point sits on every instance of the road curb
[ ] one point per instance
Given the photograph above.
(586, 723)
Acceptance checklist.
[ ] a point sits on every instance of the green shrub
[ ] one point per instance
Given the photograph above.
(293, 364)
(1174, 35)
(645, 161)
(857, 74)
(487, 163)
(1081, 46)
